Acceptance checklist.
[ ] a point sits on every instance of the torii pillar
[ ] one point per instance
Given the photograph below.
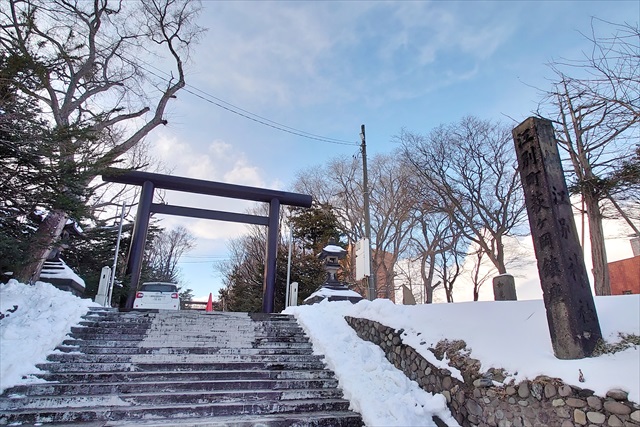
(150, 181)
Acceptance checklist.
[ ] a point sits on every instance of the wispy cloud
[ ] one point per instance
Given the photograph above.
(302, 53)
(219, 161)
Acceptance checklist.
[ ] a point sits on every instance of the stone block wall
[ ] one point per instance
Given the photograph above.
(482, 400)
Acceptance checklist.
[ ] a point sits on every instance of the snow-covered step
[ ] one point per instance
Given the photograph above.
(182, 368)
(162, 376)
(277, 365)
(158, 398)
(281, 342)
(166, 357)
(182, 350)
(173, 414)
(97, 388)
(176, 366)
(317, 419)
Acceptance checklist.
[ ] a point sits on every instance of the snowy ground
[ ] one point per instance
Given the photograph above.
(511, 335)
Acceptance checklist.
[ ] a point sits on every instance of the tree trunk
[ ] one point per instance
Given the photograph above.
(448, 284)
(42, 243)
(500, 264)
(602, 284)
(427, 277)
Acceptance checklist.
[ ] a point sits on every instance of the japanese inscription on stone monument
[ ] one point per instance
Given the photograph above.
(571, 313)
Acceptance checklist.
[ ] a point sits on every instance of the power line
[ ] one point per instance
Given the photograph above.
(279, 127)
(229, 106)
(238, 110)
(271, 123)
(244, 113)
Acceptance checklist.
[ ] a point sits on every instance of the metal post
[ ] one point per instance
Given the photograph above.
(286, 302)
(269, 289)
(367, 219)
(139, 240)
(115, 258)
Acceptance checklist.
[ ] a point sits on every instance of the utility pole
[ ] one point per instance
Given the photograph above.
(367, 219)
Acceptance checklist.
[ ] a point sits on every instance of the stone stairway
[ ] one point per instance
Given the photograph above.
(181, 369)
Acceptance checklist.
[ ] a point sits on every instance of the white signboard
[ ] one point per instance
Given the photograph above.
(363, 263)
(102, 297)
(293, 294)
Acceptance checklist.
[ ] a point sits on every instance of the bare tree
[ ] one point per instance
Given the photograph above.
(596, 116)
(339, 184)
(433, 239)
(105, 195)
(408, 274)
(612, 67)
(165, 253)
(86, 68)
(392, 201)
(450, 265)
(469, 167)
(478, 278)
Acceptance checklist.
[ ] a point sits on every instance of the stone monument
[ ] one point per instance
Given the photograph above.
(571, 312)
(504, 288)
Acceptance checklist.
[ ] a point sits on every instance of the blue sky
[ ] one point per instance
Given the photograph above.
(328, 67)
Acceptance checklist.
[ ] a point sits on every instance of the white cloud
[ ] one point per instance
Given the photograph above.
(244, 174)
(341, 51)
(218, 161)
(214, 230)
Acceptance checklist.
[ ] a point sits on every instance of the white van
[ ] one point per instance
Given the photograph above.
(157, 295)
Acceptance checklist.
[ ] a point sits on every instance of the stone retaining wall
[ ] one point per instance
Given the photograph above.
(482, 400)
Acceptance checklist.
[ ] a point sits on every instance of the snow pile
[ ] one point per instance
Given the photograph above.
(376, 389)
(36, 320)
(507, 334)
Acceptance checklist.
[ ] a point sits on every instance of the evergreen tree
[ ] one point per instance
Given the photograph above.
(93, 250)
(306, 269)
(82, 67)
(244, 274)
(186, 295)
(243, 292)
(31, 170)
(315, 226)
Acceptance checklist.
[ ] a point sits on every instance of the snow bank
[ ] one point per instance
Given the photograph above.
(28, 333)
(514, 335)
(380, 392)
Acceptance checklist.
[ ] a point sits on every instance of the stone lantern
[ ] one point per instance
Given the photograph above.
(333, 289)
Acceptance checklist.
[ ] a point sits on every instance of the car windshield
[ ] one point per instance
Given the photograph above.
(158, 287)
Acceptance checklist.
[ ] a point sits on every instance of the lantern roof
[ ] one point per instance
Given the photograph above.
(332, 250)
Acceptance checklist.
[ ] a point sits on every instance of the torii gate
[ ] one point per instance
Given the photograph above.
(150, 181)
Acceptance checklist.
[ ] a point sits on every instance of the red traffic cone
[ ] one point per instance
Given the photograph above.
(210, 303)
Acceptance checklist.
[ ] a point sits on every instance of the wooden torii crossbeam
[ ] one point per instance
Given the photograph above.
(150, 181)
